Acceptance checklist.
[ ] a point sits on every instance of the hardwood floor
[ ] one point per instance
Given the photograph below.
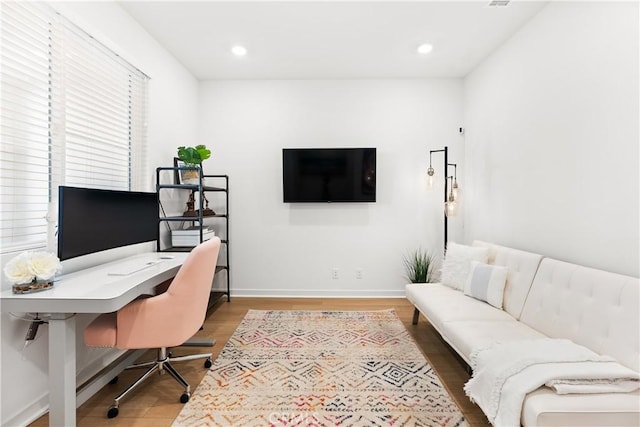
(156, 402)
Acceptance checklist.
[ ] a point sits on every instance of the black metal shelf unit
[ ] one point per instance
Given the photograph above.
(199, 218)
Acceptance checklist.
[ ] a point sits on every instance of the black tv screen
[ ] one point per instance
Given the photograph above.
(329, 175)
(92, 220)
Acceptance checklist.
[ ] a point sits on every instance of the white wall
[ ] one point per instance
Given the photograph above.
(290, 249)
(552, 137)
(173, 94)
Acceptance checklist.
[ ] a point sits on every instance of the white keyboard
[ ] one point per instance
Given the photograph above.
(131, 267)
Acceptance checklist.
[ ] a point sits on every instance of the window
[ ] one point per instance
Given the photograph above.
(72, 112)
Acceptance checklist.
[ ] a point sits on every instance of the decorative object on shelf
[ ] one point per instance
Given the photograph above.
(191, 202)
(32, 271)
(190, 237)
(419, 266)
(451, 191)
(192, 158)
(191, 211)
(207, 211)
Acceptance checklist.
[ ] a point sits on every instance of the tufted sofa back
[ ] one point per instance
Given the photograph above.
(522, 268)
(593, 308)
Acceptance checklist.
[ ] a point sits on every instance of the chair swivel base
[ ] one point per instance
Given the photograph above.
(162, 364)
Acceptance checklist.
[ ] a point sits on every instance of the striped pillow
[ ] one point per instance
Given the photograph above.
(486, 283)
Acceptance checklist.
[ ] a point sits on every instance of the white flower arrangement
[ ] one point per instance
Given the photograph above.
(31, 267)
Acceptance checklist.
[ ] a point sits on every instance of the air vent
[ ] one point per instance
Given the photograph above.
(499, 3)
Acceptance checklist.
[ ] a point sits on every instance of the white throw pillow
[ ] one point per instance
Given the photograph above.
(457, 262)
(486, 283)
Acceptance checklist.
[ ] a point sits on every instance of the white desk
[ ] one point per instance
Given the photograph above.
(87, 291)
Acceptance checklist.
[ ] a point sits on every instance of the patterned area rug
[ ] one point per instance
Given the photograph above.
(315, 368)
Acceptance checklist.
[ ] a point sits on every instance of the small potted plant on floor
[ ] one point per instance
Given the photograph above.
(192, 157)
(419, 266)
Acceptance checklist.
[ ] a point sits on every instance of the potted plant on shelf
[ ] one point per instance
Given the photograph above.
(192, 157)
(419, 266)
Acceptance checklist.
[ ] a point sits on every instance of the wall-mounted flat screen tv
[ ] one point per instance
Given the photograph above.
(329, 175)
(92, 220)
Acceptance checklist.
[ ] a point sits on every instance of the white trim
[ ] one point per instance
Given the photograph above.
(317, 293)
(34, 410)
(40, 406)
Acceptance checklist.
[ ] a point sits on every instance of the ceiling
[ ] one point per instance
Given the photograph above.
(330, 39)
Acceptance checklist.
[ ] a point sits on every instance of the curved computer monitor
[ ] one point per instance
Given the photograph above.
(92, 220)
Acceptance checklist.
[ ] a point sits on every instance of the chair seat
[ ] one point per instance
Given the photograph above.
(102, 331)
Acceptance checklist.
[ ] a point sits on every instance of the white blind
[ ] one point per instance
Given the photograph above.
(24, 125)
(72, 112)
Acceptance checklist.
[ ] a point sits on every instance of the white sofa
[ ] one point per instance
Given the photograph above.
(543, 298)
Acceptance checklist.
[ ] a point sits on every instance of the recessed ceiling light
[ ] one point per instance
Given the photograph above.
(425, 48)
(239, 50)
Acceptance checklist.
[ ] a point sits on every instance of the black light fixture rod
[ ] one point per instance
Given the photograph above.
(446, 182)
(455, 169)
(445, 150)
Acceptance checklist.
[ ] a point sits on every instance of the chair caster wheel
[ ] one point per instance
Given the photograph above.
(112, 412)
(114, 380)
(208, 363)
(185, 397)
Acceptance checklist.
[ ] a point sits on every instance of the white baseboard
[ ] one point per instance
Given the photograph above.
(41, 405)
(30, 413)
(317, 293)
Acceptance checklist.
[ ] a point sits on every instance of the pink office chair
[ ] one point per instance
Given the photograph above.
(165, 320)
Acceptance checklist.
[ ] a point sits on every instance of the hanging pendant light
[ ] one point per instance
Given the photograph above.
(451, 206)
(431, 178)
(451, 188)
(454, 184)
(455, 189)
(431, 175)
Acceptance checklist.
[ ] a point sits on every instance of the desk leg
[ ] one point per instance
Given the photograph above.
(62, 370)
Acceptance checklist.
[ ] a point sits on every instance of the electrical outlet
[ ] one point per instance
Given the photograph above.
(359, 273)
(334, 273)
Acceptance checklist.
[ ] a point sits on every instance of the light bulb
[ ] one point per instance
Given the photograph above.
(451, 208)
(455, 189)
(424, 48)
(239, 50)
(431, 178)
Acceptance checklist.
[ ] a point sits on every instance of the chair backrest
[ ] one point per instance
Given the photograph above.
(192, 285)
(172, 317)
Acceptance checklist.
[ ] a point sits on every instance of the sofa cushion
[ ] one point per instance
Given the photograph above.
(465, 335)
(439, 304)
(522, 268)
(457, 263)
(543, 407)
(486, 283)
(593, 308)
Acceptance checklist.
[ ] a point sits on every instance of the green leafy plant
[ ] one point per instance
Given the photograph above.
(193, 155)
(419, 266)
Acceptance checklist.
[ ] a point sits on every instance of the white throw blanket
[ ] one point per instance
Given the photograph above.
(503, 374)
